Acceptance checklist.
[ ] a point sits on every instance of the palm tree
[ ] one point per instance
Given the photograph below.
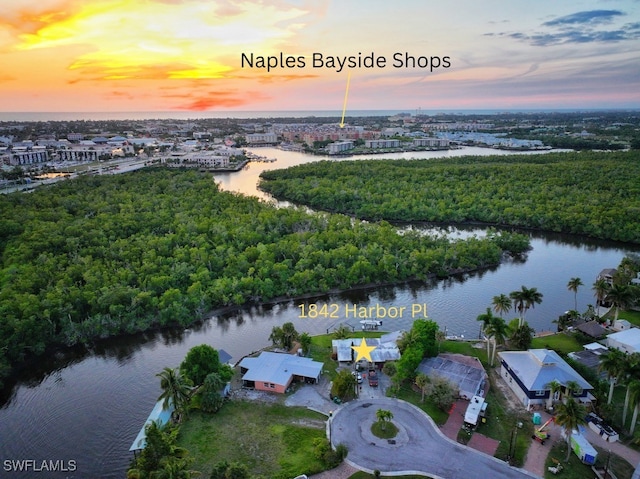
(600, 289)
(613, 363)
(521, 337)
(342, 332)
(383, 416)
(524, 299)
(518, 303)
(486, 319)
(635, 401)
(407, 339)
(571, 388)
(573, 285)
(570, 415)
(422, 381)
(502, 304)
(631, 372)
(498, 332)
(440, 336)
(621, 296)
(553, 386)
(174, 468)
(175, 389)
(305, 343)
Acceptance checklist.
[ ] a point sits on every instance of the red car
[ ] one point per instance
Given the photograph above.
(373, 378)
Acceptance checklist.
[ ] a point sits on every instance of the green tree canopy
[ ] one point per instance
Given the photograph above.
(199, 362)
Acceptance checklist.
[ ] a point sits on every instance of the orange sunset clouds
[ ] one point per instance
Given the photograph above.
(159, 55)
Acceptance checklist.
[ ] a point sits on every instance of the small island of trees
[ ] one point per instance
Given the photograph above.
(588, 193)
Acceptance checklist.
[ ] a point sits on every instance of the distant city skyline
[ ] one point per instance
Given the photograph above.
(186, 55)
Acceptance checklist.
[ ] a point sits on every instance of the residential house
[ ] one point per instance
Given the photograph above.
(607, 274)
(276, 371)
(386, 348)
(529, 374)
(627, 340)
(465, 372)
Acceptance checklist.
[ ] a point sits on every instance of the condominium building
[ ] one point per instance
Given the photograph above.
(261, 138)
(432, 142)
(25, 157)
(339, 146)
(382, 143)
(83, 154)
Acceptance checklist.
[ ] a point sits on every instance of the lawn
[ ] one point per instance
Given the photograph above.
(575, 469)
(467, 348)
(562, 343)
(506, 426)
(406, 393)
(632, 316)
(271, 439)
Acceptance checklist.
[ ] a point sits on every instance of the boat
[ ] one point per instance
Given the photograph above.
(370, 324)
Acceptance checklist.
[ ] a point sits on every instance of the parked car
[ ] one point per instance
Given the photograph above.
(358, 376)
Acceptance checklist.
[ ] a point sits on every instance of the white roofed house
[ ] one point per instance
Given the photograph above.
(627, 341)
(529, 374)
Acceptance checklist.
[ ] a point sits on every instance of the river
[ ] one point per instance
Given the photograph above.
(88, 406)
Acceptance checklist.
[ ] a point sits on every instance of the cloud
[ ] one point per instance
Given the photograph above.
(214, 99)
(589, 17)
(122, 39)
(578, 28)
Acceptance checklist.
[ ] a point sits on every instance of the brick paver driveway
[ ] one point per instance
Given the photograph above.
(419, 446)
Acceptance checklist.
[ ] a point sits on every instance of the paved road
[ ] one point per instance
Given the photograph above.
(420, 446)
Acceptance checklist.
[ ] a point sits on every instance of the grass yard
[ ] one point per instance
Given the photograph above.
(467, 348)
(575, 469)
(562, 343)
(271, 439)
(502, 425)
(406, 393)
(632, 316)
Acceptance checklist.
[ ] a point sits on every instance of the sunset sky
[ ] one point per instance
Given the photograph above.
(159, 55)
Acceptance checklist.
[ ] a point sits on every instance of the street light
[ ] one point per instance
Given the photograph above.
(512, 441)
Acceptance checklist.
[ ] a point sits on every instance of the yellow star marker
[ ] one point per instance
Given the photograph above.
(364, 351)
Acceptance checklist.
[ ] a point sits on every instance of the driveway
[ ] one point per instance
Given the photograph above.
(419, 445)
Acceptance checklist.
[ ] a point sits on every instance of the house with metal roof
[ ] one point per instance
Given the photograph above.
(386, 348)
(529, 373)
(275, 372)
(627, 341)
(159, 415)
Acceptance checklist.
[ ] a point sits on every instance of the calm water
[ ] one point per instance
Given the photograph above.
(89, 406)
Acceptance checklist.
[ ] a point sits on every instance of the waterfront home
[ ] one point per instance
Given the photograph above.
(275, 372)
(530, 373)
